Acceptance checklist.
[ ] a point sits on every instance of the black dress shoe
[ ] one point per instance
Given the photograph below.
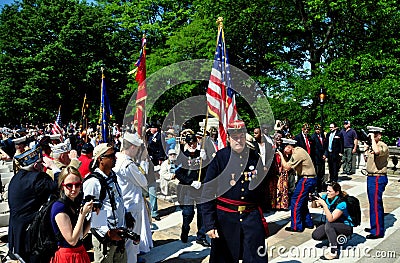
(371, 236)
(367, 229)
(203, 242)
(292, 230)
(157, 218)
(184, 237)
(310, 227)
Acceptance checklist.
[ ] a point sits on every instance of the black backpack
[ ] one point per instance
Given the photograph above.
(41, 238)
(353, 207)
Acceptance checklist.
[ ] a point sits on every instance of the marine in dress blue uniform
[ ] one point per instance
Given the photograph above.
(234, 189)
(377, 156)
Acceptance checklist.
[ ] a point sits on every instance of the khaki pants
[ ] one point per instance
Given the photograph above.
(113, 254)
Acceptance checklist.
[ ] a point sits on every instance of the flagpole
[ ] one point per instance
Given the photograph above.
(101, 106)
(220, 27)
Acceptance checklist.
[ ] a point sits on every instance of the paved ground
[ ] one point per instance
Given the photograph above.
(284, 246)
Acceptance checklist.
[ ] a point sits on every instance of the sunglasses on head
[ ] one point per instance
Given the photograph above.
(69, 186)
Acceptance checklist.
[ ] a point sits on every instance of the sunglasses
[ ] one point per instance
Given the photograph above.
(69, 186)
(111, 156)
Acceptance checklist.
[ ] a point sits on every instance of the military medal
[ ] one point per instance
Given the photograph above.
(232, 182)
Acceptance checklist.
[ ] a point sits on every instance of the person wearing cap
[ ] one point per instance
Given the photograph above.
(63, 156)
(318, 139)
(28, 190)
(21, 146)
(108, 245)
(303, 139)
(132, 181)
(86, 158)
(334, 151)
(168, 182)
(377, 158)
(170, 139)
(232, 197)
(350, 142)
(190, 172)
(301, 162)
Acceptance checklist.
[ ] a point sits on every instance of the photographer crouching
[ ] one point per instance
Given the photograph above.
(102, 186)
(337, 222)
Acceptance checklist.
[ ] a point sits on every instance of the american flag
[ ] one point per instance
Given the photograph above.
(220, 95)
(57, 126)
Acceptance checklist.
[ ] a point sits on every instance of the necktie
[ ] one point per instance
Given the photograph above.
(330, 141)
(320, 139)
(308, 145)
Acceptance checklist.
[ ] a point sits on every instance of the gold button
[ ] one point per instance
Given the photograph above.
(242, 181)
(240, 157)
(242, 189)
(241, 165)
(240, 212)
(241, 220)
(242, 197)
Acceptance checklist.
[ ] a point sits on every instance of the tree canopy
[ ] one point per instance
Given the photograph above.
(52, 52)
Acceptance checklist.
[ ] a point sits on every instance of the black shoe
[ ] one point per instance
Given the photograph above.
(367, 229)
(371, 236)
(310, 227)
(184, 237)
(157, 218)
(292, 230)
(330, 256)
(203, 242)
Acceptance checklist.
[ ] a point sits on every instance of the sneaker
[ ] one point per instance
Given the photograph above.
(371, 236)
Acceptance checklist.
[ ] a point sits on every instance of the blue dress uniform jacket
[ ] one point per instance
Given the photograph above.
(26, 193)
(241, 234)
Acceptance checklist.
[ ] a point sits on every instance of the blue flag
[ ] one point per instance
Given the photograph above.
(105, 111)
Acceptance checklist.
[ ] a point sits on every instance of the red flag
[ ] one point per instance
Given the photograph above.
(220, 95)
(141, 92)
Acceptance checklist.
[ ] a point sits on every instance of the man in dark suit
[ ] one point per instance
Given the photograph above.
(318, 141)
(157, 156)
(304, 141)
(333, 151)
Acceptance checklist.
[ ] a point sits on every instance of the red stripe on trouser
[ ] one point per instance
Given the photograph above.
(376, 206)
(297, 202)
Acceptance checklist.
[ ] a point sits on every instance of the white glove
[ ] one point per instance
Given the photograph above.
(203, 154)
(196, 185)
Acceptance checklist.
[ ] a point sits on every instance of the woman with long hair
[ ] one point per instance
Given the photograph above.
(68, 218)
(338, 221)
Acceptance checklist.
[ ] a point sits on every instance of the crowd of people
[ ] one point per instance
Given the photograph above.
(230, 188)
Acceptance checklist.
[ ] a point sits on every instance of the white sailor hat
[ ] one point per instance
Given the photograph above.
(61, 147)
(132, 138)
(20, 140)
(288, 141)
(375, 129)
(55, 136)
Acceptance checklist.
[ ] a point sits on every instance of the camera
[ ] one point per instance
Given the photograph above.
(96, 202)
(125, 233)
(314, 196)
(365, 138)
